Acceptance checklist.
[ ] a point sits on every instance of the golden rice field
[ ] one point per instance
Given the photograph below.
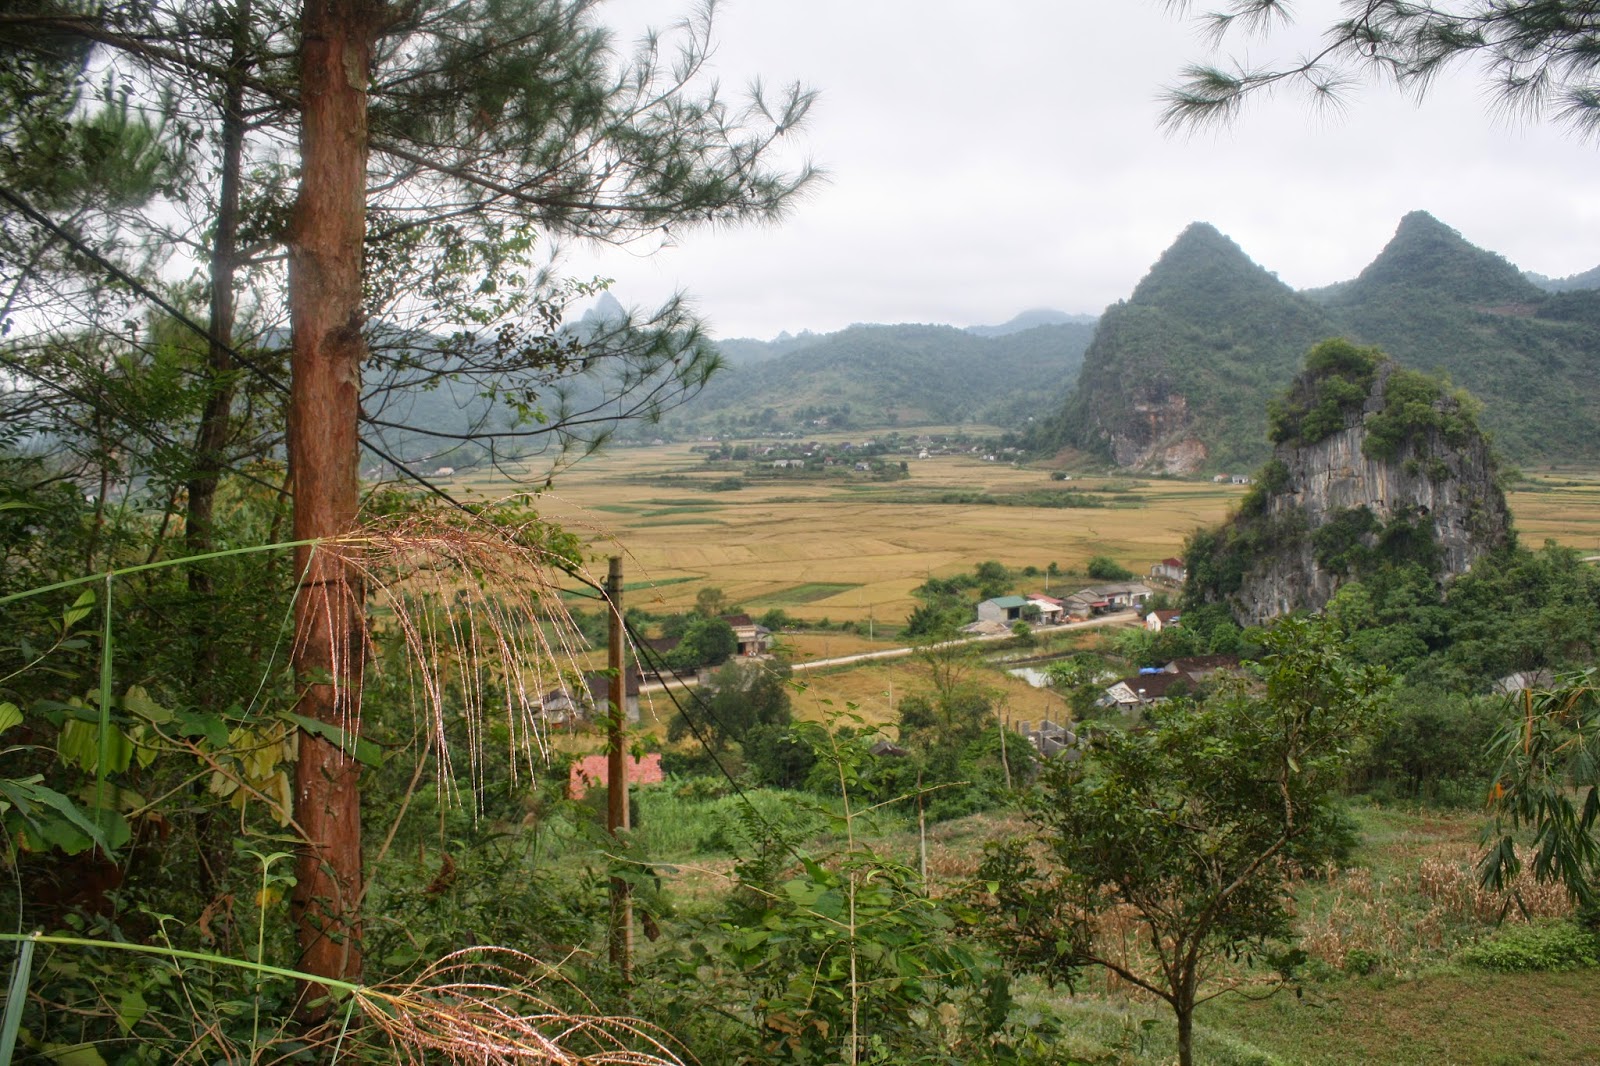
(845, 550)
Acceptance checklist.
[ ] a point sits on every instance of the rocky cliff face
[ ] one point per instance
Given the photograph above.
(1326, 509)
(1157, 435)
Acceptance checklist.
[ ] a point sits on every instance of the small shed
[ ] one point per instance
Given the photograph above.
(1002, 609)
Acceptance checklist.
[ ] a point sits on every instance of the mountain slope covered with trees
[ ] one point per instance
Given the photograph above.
(1177, 376)
(875, 375)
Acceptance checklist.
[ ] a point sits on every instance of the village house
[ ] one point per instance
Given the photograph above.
(1051, 610)
(564, 706)
(1131, 594)
(1171, 570)
(1143, 688)
(1002, 609)
(1102, 599)
(1178, 677)
(1156, 621)
(755, 640)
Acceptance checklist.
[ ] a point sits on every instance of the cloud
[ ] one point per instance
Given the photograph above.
(984, 160)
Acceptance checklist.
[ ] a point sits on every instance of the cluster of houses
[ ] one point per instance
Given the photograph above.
(1178, 677)
(999, 614)
(584, 699)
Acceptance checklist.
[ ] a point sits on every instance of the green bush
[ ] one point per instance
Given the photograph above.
(1535, 948)
(1360, 962)
(1105, 568)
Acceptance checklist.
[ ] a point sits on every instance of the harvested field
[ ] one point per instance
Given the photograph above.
(844, 549)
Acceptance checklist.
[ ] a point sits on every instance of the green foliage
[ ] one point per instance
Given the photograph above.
(929, 621)
(1249, 776)
(1105, 568)
(705, 642)
(738, 698)
(1536, 60)
(1337, 379)
(947, 602)
(1432, 749)
(1415, 406)
(1548, 749)
(1340, 543)
(777, 620)
(824, 957)
(710, 602)
(1535, 947)
(1522, 611)
(992, 579)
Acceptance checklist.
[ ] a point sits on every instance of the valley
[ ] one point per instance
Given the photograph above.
(847, 550)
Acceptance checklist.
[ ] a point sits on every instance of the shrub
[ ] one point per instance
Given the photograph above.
(1360, 962)
(1105, 568)
(1535, 947)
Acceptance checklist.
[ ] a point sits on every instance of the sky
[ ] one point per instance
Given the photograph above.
(987, 158)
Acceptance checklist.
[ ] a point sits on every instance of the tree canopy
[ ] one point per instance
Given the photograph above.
(1538, 58)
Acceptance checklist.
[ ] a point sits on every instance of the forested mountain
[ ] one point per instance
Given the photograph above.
(874, 375)
(1437, 303)
(1178, 375)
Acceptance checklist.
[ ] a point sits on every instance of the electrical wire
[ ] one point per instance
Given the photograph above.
(655, 663)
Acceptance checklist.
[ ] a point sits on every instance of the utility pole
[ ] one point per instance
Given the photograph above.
(617, 822)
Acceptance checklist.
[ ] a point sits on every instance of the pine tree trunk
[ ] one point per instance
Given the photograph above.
(216, 424)
(325, 306)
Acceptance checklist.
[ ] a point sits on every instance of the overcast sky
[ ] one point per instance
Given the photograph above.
(986, 158)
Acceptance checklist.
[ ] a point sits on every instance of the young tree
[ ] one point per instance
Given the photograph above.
(1193, 826)
(1539, 57)
(710, 602)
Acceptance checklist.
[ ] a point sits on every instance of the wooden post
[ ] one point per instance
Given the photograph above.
(922, 839)
(617, 822)
(1005, 762)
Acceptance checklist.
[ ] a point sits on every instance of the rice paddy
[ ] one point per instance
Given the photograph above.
(844, 549)
(852, 549)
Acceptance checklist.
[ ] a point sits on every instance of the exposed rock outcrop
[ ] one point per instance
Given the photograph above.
(1326, 510)
(1157, 434)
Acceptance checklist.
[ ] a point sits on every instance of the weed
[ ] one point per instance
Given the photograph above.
(1536, 947)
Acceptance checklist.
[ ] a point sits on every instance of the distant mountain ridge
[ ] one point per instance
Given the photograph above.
(1589, 279)
(1178, 376)
(884, 375)
(1038, 316)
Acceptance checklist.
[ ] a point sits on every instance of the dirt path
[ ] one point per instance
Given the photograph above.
(1122, 618)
